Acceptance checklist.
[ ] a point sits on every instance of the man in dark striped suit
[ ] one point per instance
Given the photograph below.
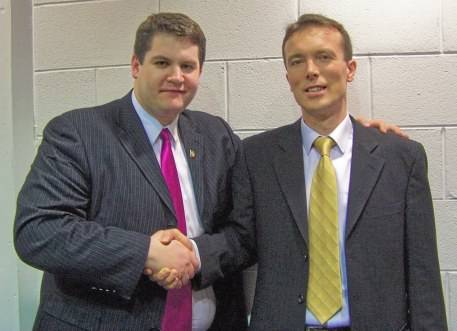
(95, 204)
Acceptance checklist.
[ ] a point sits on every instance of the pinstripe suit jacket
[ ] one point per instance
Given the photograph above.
(391, 255)
(93, 197)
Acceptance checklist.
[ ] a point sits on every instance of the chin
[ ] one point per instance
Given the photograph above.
(177, 107)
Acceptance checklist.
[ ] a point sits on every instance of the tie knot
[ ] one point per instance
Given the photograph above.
(165, 135)
(324, 145)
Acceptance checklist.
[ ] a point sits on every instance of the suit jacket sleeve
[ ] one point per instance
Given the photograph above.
(231, 247)
(427, 311)
(53, 231)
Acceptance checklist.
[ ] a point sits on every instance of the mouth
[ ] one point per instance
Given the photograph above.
(315, 89)
(173, 91)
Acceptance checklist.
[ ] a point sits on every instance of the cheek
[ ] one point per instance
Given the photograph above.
(192, 82)
(294, 81)
(335, 82)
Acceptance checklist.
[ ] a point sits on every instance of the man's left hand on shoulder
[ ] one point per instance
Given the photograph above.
(381, 126)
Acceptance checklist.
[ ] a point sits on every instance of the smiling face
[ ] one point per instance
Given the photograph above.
(318, 73)
(167, 80)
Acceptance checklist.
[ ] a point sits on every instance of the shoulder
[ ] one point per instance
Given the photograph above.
(83, 114)
(273, 136)
(389, 145)
(86, 118)
(215, 131)
(201, 119)
(206, 124)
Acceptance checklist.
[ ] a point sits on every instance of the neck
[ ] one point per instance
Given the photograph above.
(324, 122)
(164, 117)
(164, 120)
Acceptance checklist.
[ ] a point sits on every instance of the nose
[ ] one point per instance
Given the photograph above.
(176, 75)
(312, 71)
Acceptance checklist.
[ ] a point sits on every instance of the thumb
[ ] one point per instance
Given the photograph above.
(167, 236)
(179, 236)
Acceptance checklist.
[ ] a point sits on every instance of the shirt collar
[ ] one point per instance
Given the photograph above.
(342, 135)
(152, 126)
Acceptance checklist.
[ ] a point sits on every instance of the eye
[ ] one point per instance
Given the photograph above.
(295, 61)
(188, 67)
(324, 57)
(161, 63)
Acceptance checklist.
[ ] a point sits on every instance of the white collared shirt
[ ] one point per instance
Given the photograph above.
(341, 155)
(203, 301)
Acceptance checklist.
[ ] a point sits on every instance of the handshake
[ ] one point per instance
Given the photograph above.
(171, 260)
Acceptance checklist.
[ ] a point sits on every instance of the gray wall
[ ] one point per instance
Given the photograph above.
(9, 303)
(407, 74)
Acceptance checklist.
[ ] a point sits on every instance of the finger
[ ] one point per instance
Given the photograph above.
(377, 124)
(177, 284)
(167, 236)
(195, 262)
(161, 275)
(172, 277)
(383, 127)
(180, 237)
(169, 281)
(189, 273)
(395, 129)
(403, 134)
(173, 282)
(362, 120)
(147, 271)
(169, 285)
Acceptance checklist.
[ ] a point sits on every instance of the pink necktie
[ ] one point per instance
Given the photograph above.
(178, 307)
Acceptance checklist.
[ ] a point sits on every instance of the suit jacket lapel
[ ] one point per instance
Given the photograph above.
(366, 167)
(288, 162)
(193, 148)
(134, 139)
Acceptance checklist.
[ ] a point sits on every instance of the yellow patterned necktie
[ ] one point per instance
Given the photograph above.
(324, 295)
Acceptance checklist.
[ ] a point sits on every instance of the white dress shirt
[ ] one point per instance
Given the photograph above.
(203, 301)
(341, 155)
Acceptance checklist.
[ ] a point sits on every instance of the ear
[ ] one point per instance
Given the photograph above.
(287, 77)
(351, 68)
(135, 66)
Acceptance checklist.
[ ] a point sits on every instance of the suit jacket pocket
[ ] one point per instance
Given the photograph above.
(73, 311)
(384, 210)
(46, 322)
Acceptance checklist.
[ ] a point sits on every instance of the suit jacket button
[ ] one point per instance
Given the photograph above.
(301, 299)
(305, 257)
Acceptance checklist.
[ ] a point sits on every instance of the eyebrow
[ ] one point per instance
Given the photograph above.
(326, 50)
(159, 57)
(163, 57)
(295, 56)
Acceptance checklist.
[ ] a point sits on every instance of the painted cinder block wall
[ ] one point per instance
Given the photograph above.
(407, 74)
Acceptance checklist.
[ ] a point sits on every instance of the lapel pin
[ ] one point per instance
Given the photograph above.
(192, 154)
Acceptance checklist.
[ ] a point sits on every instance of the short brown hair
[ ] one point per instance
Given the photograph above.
(307, 20)
(175, 24)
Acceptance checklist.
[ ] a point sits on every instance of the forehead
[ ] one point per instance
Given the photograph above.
(169, 44)
(315, 36)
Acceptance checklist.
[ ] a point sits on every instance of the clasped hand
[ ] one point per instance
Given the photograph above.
(171, 259)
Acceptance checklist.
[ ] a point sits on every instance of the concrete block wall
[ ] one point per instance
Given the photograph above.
(9, 303)
(407, 73)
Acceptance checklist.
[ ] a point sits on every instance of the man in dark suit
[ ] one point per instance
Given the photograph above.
(382, 273)
(93, 209)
